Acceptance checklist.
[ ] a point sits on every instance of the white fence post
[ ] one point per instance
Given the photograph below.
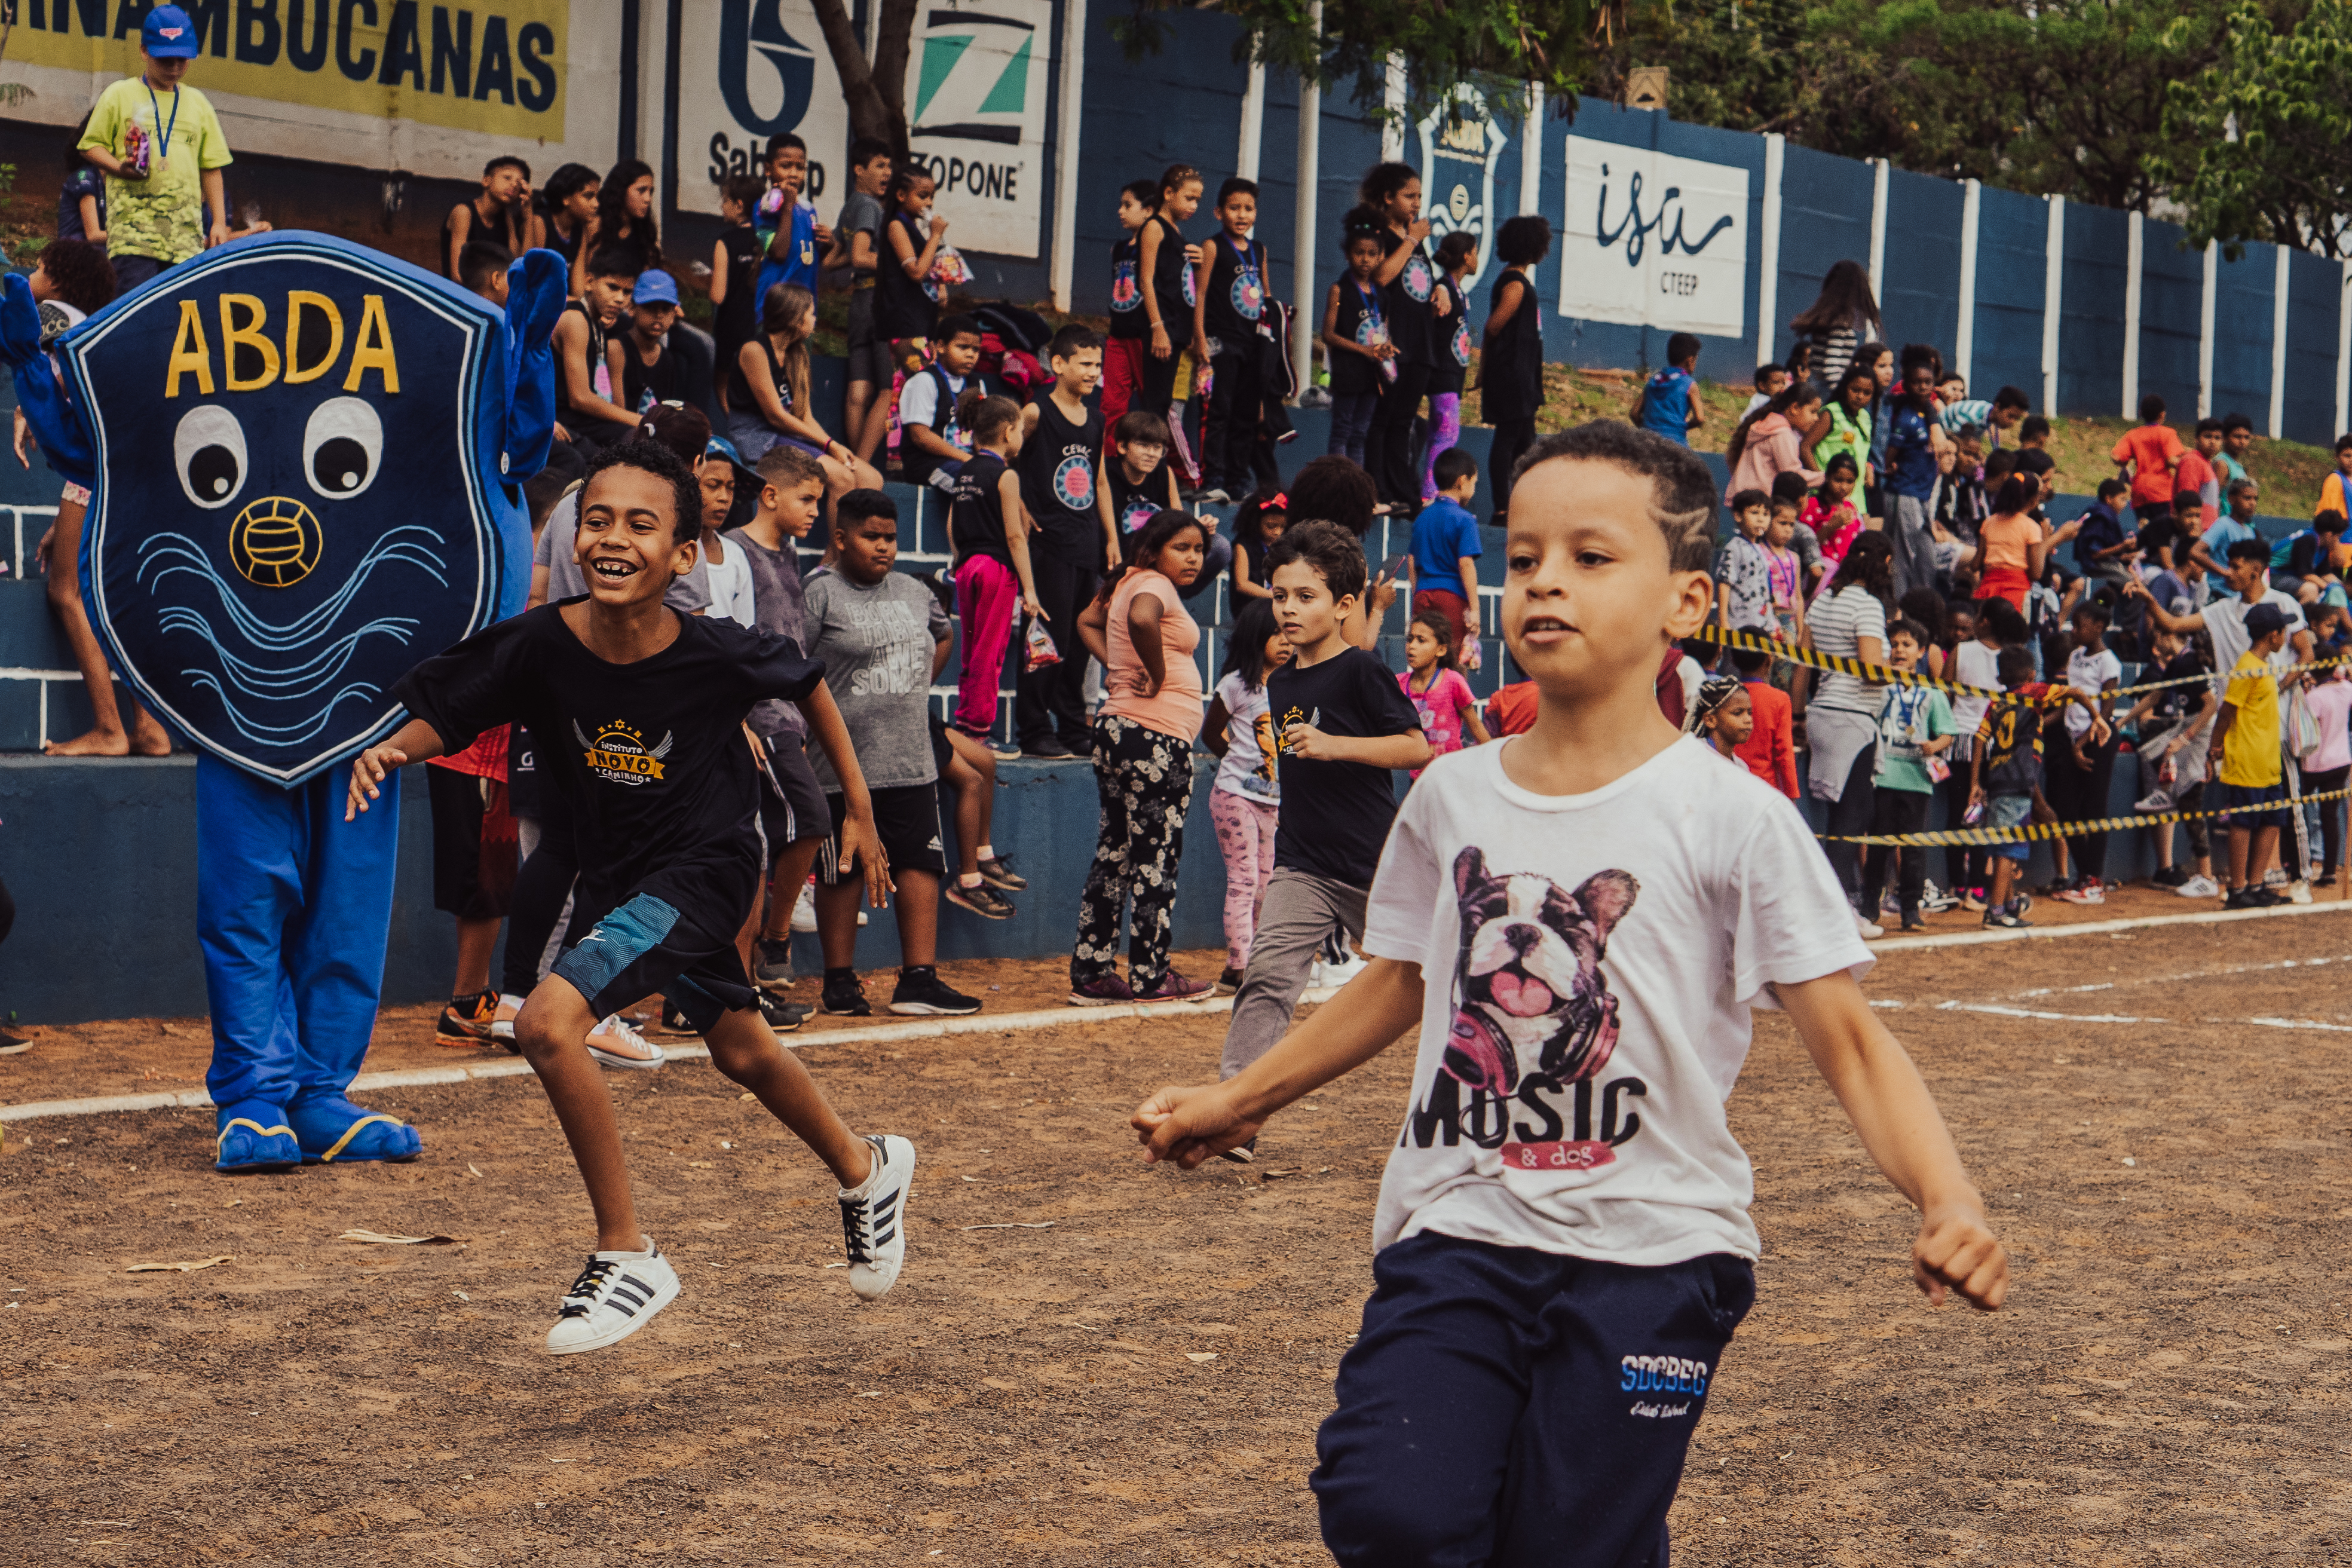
(1768, 234)
(2132, 256)
(1879, 177)
(2205, 310)
(1964, 342)
(1065, 152)
(1304, 241)
(2053, 282)
(2278, 345)
(1531, 152)
(1253, 134)
(1393, 99)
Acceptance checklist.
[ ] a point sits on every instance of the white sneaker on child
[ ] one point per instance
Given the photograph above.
(805, 910)
(874, 1218)
(1333, 975)
(1869, 929)
(617, 1293)
(2199, 887)
(616, 1043)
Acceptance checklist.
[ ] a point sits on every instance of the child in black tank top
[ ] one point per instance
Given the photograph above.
(1237, 449)
(1130, 343)
(1061, 461)
(1170, 286)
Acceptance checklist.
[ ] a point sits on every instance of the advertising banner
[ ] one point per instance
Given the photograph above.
(421, 87)
(979, 82)
(1655, 240)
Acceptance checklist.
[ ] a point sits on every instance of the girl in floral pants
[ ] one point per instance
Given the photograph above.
(1139, 627)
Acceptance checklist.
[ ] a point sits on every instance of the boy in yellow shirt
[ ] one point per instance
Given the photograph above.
(161, 148)
(2245, 749)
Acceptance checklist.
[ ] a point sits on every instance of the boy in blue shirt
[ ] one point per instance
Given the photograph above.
(1444, 561)
(1590, 910)
(1669, 403)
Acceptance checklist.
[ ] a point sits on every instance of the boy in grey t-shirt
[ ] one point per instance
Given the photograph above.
(882, 638)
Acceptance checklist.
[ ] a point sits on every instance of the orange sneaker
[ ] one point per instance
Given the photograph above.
(466, 1021)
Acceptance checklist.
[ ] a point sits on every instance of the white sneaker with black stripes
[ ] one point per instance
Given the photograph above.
(874, 1218)
(617, 1293)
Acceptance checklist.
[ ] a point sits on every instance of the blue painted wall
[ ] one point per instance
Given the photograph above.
(2091, 311)
(2172, 293)
(2314, 297)
(1920, 296)
(2012, 248)
(2241, 335)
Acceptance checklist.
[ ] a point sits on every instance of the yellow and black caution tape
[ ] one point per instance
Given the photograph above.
(2041, 832)
(1886, 675)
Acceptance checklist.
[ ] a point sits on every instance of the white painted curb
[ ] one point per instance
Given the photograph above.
(916, 1029)
(2085, 928)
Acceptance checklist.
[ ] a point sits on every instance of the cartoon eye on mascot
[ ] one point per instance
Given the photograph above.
(306, 462)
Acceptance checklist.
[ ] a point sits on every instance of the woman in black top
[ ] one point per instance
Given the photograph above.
(1166, 263)
(904, 305)
(1510, 367)
(1411, 295)
(735, 270)
(569, 205)
(1457, 258)
(625, 214)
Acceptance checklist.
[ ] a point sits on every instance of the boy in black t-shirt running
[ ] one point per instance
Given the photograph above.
(652, 756)
(1344, 726)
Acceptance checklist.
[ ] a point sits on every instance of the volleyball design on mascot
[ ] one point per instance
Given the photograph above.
(306, 461)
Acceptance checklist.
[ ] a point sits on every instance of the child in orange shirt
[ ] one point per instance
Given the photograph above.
(2149, 454)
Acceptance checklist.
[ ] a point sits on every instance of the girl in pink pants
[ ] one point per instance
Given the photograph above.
(1240, 729)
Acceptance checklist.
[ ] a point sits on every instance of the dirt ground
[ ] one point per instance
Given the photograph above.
(2156, 1117)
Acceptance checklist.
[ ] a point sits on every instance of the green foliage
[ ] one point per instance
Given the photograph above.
(2263, 135)
(2054, 97)
(1445, 42)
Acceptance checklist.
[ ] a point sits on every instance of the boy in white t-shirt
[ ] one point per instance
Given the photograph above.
(1579, 920)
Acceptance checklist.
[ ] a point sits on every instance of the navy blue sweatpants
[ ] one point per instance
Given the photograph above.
(1507, 1408)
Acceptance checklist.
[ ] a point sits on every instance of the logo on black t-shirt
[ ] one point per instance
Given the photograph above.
(619, 754)
(1074, 481)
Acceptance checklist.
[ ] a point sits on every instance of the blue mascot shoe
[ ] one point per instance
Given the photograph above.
(333, 1131)
(253, 1136)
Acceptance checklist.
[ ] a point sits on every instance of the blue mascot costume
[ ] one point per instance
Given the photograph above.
(306, 461)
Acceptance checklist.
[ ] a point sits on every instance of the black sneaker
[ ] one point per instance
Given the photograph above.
(772, 964)
(982, 901)
(999, 874)
(2325, 879)
(2171, 877)
(1052, 749)
(782, 1016)
(922, 992)
(843, 997)
(1229, 980)
(673, 1020)
(2006, 919)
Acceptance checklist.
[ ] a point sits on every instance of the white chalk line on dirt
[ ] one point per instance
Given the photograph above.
(2224, 974)
(1999, 1011)
(916, 1029)
(2098, 928)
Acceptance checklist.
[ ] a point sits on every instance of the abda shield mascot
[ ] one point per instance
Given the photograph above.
(306, 462)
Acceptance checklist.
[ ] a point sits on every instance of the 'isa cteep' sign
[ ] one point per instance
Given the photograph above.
(1655, 240)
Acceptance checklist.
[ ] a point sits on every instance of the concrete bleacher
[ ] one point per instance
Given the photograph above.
(101, 855)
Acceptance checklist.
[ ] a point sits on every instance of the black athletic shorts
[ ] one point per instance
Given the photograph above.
(645, 946)
(906, 818)
(460, 887)
(800, 810)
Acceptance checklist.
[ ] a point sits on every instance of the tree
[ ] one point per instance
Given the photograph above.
(2055, 96)
(876, 90)
(1546, 41)
(2267, 133)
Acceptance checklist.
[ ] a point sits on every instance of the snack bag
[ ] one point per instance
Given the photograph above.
(134, 153)
(1471, 659)
(1040, 650)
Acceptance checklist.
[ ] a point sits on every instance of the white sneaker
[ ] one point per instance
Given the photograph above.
(2199, 887)
(874, 1218)
(502, 1026)
(805, 910)
(1870, 931)
(616, 1043)
(2154, 800)
(2299, 892)
(616, 1294)
(1337, 974)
